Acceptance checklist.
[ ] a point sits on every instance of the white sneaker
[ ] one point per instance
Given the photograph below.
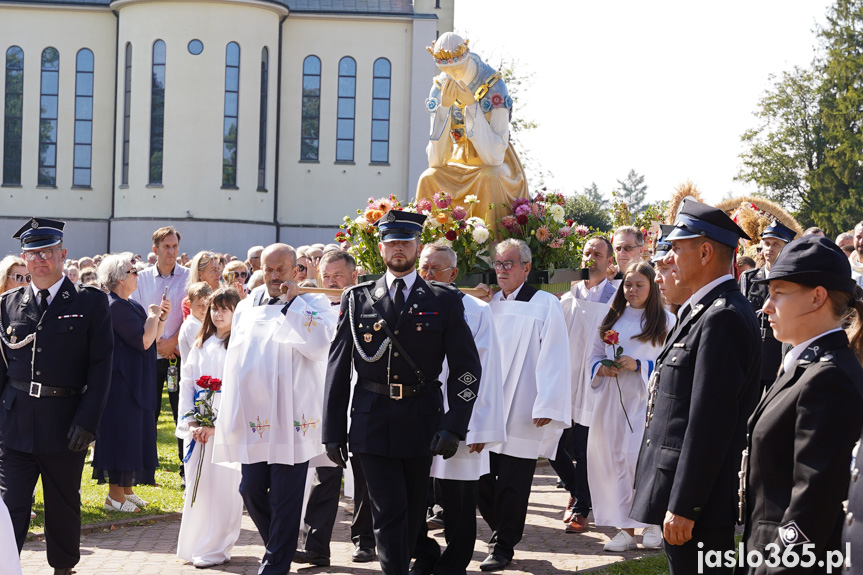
(623, 541)
(651, 537)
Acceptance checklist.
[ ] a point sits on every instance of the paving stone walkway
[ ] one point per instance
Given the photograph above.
(149, 550)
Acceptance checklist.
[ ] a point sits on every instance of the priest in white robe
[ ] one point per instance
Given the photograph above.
(272, 401)
(584, 307)
(458, 476)
(537, 397)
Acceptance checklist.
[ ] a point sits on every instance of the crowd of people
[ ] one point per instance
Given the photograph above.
(679, 391)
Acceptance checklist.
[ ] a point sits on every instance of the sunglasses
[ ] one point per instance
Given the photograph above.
(301, 267)
(21, 279)
(132, 271)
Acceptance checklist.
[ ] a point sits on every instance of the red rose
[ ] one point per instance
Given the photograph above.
(610, 337)
(570, 222)
(522, 219)
(340, 237)
(204, 381)
(451, 235)
(216, 384)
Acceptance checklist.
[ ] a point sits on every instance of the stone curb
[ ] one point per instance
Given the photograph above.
(118, 524)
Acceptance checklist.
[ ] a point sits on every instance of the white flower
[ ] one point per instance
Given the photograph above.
(361, 222)
(557, 213)
(445, 242)
(475, 222)
(433, 223)
(470, 199)
(480, 235)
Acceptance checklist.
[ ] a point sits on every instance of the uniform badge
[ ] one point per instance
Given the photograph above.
(696, 309)
(9, 330)
(467, 395)
(65, 295)
(468, 378)
(420, 290)
(391, 216)
(377, 326)
(14, 339)
(379, 293)
(792, 535)
(368, 338)
(419, 327)
(34, 224)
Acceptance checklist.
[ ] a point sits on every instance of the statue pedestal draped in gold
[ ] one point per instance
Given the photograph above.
(469, 149)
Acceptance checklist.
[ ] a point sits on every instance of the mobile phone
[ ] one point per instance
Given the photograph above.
(165, 295)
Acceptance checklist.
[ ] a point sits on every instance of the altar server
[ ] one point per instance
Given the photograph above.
(458, 475)
(272, 396)
(537, 397)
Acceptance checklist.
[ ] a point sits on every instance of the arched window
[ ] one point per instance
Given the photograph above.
(346, 111)
(232, 114)
(82, 161)
(381, 111)
(262, 128)
(48, 117)
(157, 112)
(311, 113)
(127, 111)
(13, 116)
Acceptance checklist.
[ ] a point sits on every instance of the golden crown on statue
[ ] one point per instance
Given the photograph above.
(450, 56)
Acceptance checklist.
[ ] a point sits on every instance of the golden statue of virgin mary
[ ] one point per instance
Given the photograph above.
(469, 149)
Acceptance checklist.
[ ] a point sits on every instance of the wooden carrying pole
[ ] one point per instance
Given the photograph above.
(336, 292)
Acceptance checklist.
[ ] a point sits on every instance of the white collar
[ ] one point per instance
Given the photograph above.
(511, 297)
(792, 356)
(705, 289)
(408, 279)
(52, 291)
(590, 294)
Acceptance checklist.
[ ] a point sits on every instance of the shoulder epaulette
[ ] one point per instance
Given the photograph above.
(450, 287)
(363, 284)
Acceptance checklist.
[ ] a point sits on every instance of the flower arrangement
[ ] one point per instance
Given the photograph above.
(612, 338)
(554, 241)
(364, 237)
(205, 415)
(458, 228)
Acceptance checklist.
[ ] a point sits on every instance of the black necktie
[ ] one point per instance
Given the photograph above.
(399, 297)
(273, 301)
(43, 301)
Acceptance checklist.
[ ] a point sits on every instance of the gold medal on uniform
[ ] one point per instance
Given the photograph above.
(368, 337)
(377, 326)
(9, 330)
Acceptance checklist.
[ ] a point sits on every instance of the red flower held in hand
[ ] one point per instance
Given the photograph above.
(451, 235)
(522, 219)
(216, 384)
(203, 381)
(610, 337)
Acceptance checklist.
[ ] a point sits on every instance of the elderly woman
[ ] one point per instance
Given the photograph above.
(125, 453)
(13, 273)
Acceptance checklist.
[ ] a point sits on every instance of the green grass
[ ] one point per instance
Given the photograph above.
(655, 565)
(166, 498)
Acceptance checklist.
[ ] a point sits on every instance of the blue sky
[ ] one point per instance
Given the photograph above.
(665, 87)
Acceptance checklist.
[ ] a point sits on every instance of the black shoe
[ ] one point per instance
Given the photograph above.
(63, 571)
(363, 554)
(421, 568)
(494, 563)
(435, 521)
(316, 559)
(559, 484)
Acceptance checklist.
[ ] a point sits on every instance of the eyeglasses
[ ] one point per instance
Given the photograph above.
(132, 271)
(301, 267)
(243, 275)
(626, 249)
(43, 254)
(21, 279)
(426, 270)
(505, 265)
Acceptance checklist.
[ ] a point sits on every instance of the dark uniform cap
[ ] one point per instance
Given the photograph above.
(700, 220)
(779, 231)
(397, 225)
(813, 261)
(662, 245)
(40, 233)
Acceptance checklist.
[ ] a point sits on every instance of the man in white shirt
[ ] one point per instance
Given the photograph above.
(628, 244)
(537, 397)
(166, 277)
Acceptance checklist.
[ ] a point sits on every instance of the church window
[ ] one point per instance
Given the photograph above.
(82, 160)
(127, 111)
(13, 116)
(232, 115)
(311, 112)
(157, 112)
(262, 128)
(382, 72)
(346, 111)
(48, 117)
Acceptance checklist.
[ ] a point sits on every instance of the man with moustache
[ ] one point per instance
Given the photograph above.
(773, 240)
(704, 388)
(583, 309)
(272, 400)
(673, 295)
(396, 333)
(338, 270)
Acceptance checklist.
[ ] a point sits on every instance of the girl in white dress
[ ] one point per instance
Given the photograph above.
(210, 525)
(617, 425)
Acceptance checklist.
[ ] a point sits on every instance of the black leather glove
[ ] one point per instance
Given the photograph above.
(338, 453)
(79, 438)
(444, 443)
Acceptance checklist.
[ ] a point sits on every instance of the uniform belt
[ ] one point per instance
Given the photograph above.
(396, 390)
(36, 389)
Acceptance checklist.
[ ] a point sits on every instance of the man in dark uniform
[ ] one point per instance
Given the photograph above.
(57, 348)
(396, 332)
(852, 535)
(773, 240)
(704, 388)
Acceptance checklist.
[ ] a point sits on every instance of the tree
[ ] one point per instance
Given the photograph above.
(586, 211)
(633, 191)
(593, 194)
(807, 153)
